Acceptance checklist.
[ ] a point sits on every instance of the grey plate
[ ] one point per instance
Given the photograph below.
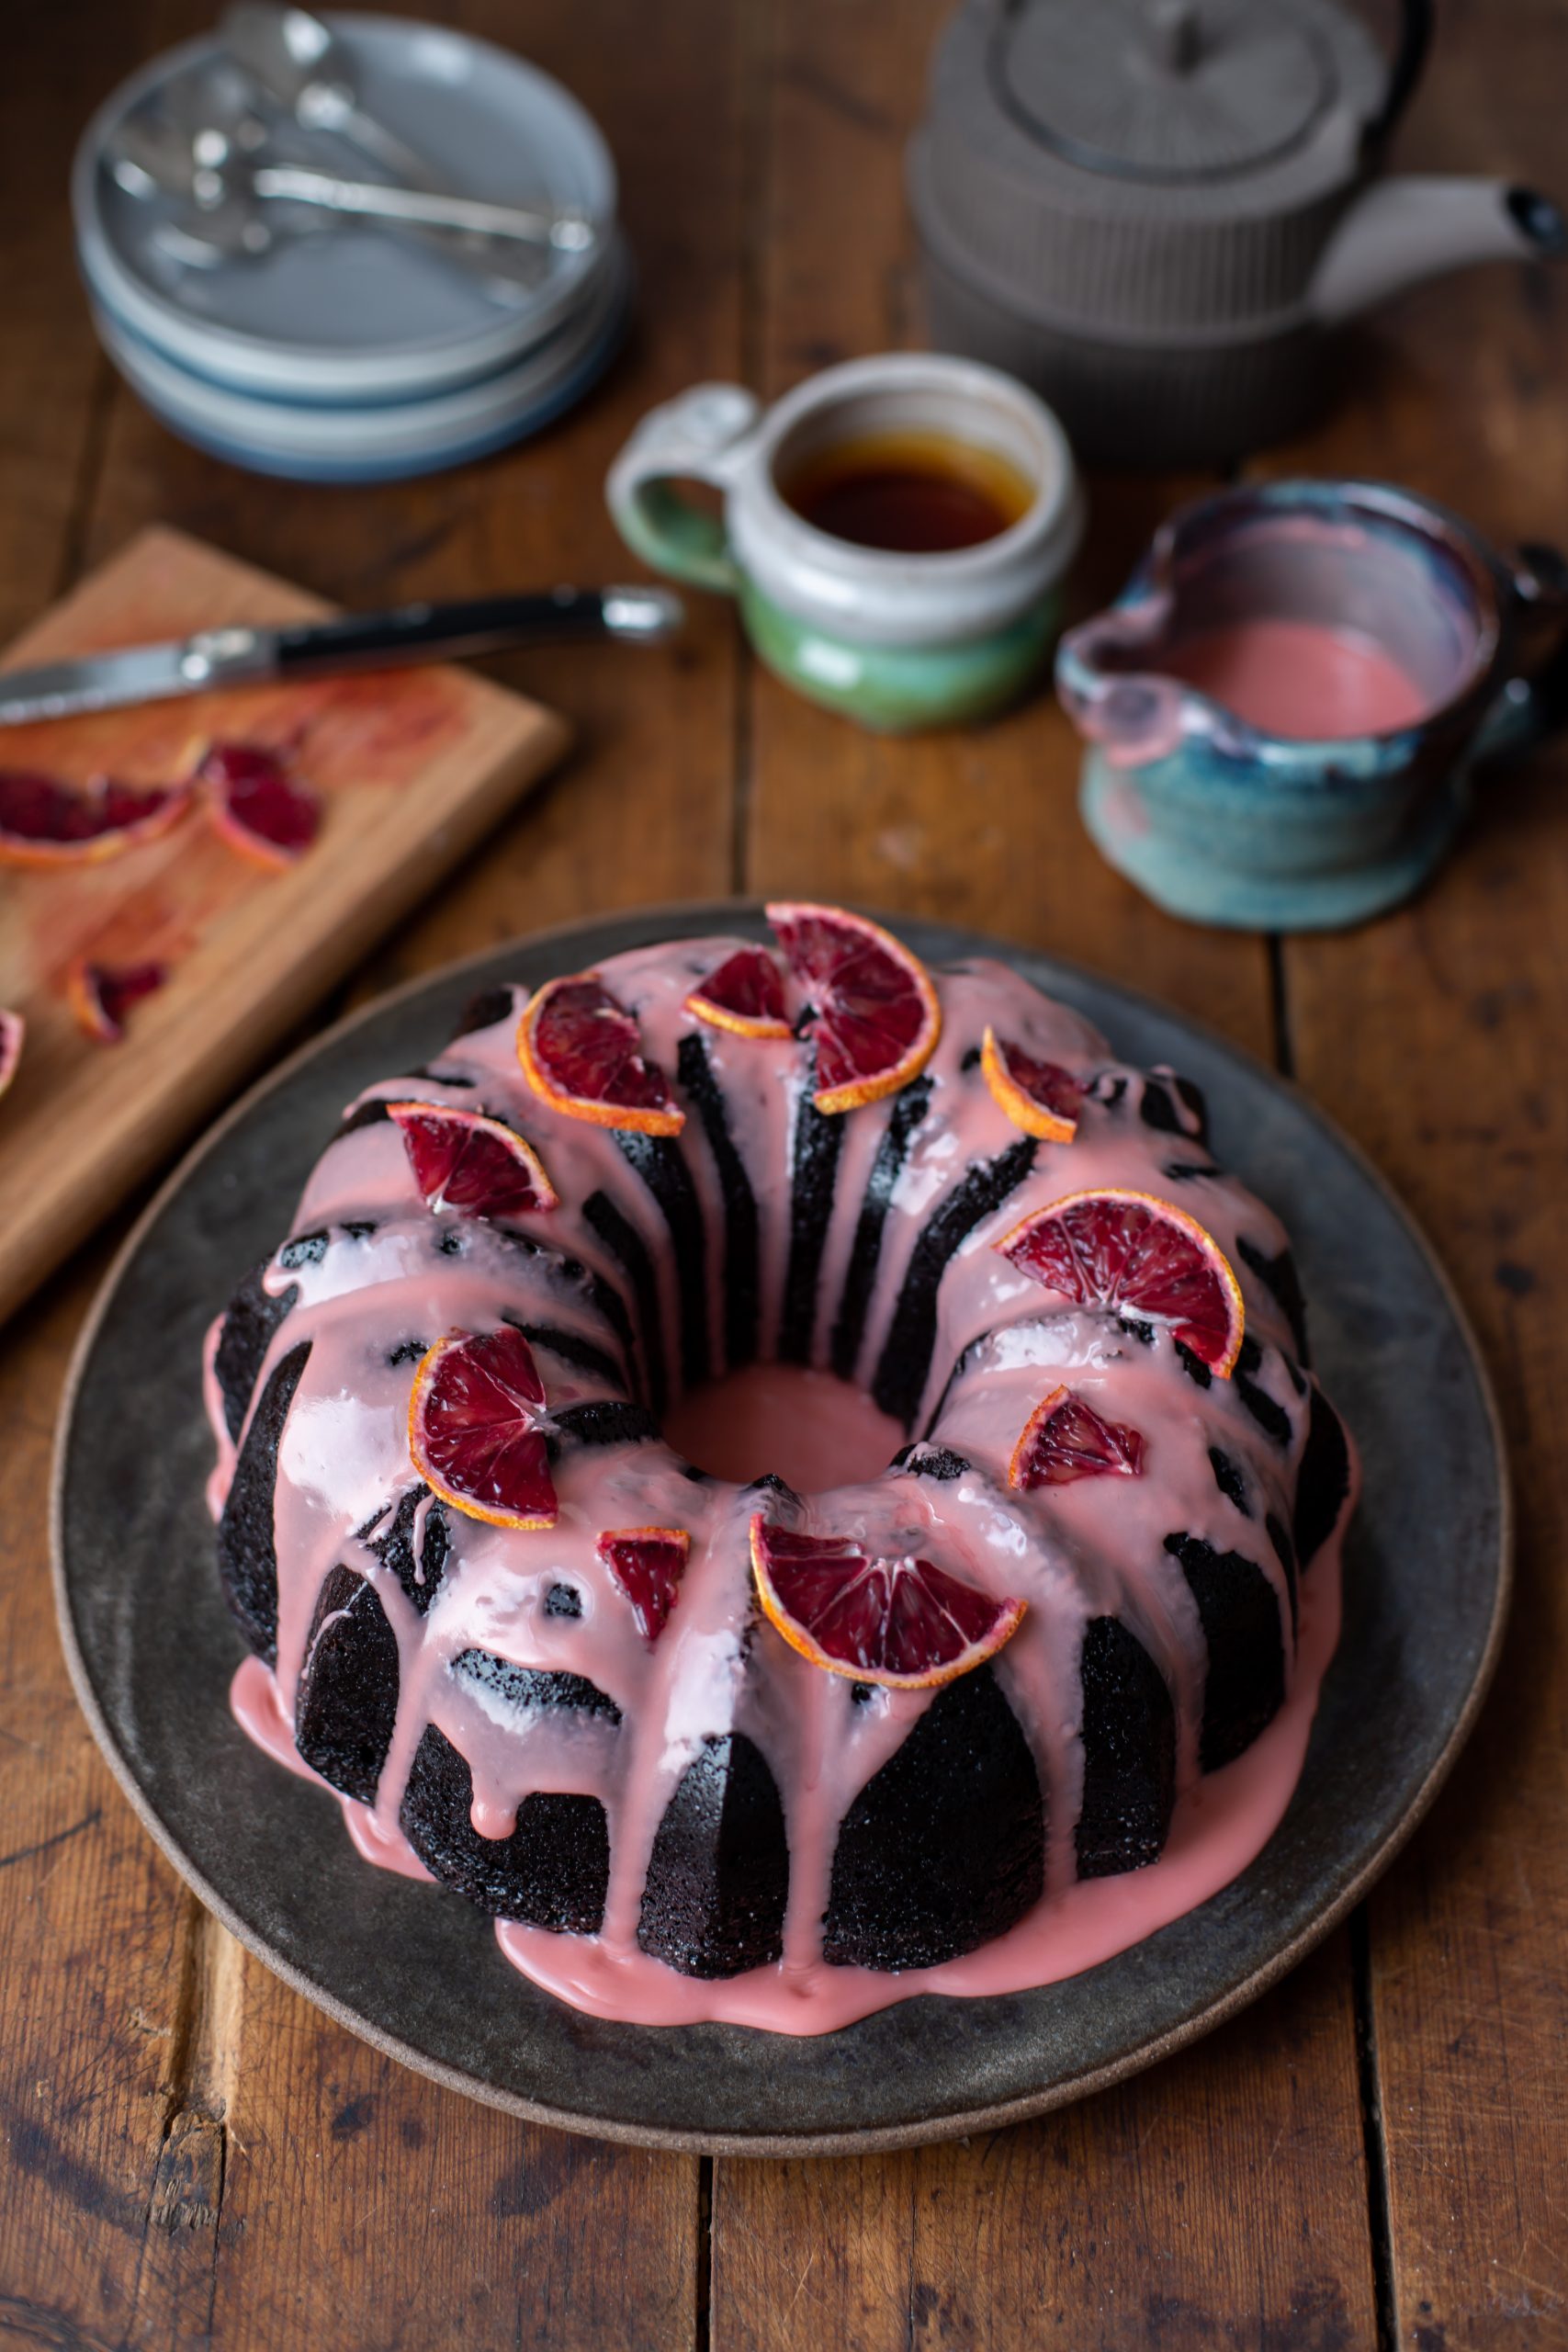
(353, 313)
(151, 1647)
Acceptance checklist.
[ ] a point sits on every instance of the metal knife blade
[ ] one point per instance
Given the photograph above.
(100, 681)
(229, 657)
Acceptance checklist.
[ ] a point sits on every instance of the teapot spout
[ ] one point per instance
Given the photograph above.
(1406, 229)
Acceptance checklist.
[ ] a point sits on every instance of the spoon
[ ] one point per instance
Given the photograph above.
(228, 187)
(304, 68)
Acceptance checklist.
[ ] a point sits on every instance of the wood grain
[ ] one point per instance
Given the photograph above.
(289, 2186)
(410, 770)
(1204, 2204)
(1170, 2210)
(1450, 1075)
(191, 2154)
(979, 826)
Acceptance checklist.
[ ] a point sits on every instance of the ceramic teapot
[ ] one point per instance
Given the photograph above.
(1155, 212)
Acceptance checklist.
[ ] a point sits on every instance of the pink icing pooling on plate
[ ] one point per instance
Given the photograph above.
(1071, 1552)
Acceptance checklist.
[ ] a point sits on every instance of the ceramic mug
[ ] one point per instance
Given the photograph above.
(1373, 649)
(897, 641)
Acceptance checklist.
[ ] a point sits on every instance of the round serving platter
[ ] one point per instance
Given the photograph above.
(152, 1647)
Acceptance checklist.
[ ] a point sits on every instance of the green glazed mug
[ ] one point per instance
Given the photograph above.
(898, 641)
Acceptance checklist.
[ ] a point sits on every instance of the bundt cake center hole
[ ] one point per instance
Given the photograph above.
(810, 1428)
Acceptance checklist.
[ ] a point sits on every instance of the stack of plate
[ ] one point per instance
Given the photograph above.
(349, 351)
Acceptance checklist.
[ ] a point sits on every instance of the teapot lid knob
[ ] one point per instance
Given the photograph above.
(1174, 31)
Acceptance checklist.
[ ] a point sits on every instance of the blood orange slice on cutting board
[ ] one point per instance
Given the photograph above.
(476, 1431)
(101, 995)
(45, 822)
(581, 1053)
(903, 1622)
(1064, 1439)
(463, 1160)
(13, 1037)
(871, 1009)
(1140, 1257)
(256, 806)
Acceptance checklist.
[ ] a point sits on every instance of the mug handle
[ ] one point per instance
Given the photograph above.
(1534, 703)
(705, 435)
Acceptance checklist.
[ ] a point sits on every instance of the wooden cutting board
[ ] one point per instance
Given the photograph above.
(412, 766)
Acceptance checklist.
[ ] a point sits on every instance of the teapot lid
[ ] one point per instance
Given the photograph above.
(1164, 90)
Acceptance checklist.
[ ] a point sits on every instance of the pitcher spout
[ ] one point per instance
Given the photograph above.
(1407, 228)
(1109, 682)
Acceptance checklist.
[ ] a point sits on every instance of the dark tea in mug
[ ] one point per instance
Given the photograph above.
(909, 493)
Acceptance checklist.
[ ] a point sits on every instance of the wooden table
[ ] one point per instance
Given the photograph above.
(1377, 2153)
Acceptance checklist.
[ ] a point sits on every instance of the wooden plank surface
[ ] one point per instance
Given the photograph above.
(1451, 1076)
(410, 769)
(1169, 2210)
(190, 2153)
(235, 2168)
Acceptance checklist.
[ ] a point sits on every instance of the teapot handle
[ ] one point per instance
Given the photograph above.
(1415, 41)
(1534, 702)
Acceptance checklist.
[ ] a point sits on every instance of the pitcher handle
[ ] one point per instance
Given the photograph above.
(705, 435)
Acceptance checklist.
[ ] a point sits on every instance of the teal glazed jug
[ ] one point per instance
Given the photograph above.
(1284, 710)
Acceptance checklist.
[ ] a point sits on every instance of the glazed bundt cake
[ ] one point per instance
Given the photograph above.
(786, 1738)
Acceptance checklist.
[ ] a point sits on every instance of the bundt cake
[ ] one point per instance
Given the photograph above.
(1038, 1530)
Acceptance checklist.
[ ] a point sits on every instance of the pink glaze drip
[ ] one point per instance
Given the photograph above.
(1296, 679)
(817, 1432)
(1071, 1552)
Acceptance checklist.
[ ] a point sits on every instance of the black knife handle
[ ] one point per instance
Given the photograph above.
(425, 632)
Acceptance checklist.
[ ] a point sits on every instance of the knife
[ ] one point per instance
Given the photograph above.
(246, 657)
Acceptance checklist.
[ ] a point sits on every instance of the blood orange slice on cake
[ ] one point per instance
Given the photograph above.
(1140, 1257)
(1041, 1097)
(44, 822)
(871, 1009)
(745, 993)
(1064, 1439)
(648, 1564)
(101, 997)
(581, 1053)
(256, 804)
(476, 1431)
(463, 1160)
(13, 1035)
(903, 1622)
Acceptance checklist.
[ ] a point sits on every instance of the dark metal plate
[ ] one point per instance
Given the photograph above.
(152, 1647)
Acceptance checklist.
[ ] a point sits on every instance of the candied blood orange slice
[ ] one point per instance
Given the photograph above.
(905, 1622)
(256, 804)
(463, 1160)
(1042, 1098)
(582, 1052)
(45, 822)
(648, 1564)
(476, 1431)
(872, 1010)
(13, 1037)
(101, 997)
(1140, 1257)
(745, 993)
(1064, 1439)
